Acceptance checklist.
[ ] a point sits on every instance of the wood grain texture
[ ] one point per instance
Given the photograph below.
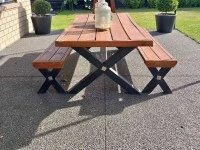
(156, 56)
(89, 31)
(52, 57)
(117, 31)
(75, 31)
(82, 33)
(147, 34)
(127, 24)
(103, 36)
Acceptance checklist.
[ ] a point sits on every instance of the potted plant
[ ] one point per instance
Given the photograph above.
(165, 21)
(41, 19)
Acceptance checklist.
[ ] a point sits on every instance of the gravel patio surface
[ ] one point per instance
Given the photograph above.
(102, 116)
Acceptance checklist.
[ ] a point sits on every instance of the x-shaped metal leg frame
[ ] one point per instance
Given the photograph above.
(158, 79)
(50, 76)
(105, 68)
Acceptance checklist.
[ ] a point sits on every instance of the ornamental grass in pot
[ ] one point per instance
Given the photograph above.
(41, 19)
(165, 21)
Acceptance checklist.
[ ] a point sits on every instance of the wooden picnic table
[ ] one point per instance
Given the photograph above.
(123, 34)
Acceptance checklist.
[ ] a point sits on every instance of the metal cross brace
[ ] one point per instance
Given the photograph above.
(103, 67)
(158, 79)
(50, 76)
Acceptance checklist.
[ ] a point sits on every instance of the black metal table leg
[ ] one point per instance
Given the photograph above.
(85, 82)
(104, 68)
(90, 77)
(121, 81)
(158, 79)
(50, 80)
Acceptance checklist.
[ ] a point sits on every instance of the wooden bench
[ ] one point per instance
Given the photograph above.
(49, 63)
(159, 62)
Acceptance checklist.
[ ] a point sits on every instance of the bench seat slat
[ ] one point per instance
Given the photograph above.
(52, 46)
(149, 53)
(158, 49)
(52, 58)
(65, 56)
(156, 56)
(156, 45)
(59, 54)
(48, 53)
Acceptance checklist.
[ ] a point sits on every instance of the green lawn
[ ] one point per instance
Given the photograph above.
(64, 19)
(188, 19)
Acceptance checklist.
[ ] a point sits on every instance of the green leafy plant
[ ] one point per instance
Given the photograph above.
(152, 3)
(167, 5)
(69, 3)
(88, 4)
(189, 3)
(41, 7)
(132, 3)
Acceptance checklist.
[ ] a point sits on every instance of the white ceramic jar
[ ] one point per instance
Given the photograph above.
(102, 15)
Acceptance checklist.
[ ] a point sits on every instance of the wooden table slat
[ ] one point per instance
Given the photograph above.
(74, 31)
(117, 31)
(130, 28)
(89, 31)
(82, 33)
(103, 35)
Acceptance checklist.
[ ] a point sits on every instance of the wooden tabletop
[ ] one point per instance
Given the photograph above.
(124, 32)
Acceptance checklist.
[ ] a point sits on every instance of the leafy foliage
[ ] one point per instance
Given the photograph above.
(167, 5)
(132, 3)
(189, 3)
(143, 3)
(41, 7)
(88, 4)
(152, 3)
(69, 3)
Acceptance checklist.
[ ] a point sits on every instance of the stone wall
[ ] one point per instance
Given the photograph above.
(15, 21)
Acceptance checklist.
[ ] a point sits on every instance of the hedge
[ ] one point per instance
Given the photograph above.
(151, 3)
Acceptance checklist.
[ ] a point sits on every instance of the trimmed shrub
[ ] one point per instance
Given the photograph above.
(132, 3)
(152, 3)
(41, 7)
(167, 5)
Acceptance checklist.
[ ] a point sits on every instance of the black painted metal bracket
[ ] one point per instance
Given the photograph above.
(158, 79)
(50, 76)
(105, 68)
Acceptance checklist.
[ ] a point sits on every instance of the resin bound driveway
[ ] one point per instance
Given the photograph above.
(101, 116)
